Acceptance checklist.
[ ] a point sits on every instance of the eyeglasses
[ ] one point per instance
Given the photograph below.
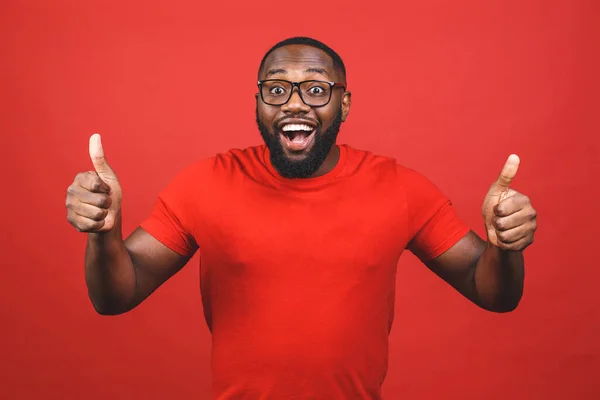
(277, 92)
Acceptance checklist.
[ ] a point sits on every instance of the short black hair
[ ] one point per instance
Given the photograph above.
(338, 64)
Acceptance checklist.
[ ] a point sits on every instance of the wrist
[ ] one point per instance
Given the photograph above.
(496, 254)
(102, 238)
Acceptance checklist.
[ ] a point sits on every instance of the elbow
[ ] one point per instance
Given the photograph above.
(503, 307)
(499, 301)
(107, 311)
(106, 308)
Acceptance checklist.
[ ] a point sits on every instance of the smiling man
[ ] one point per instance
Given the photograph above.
(301, 142)
(299, 240)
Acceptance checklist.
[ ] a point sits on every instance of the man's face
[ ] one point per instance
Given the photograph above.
(300, 138)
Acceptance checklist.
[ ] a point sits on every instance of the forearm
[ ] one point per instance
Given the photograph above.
(109, 272)
(498, 279)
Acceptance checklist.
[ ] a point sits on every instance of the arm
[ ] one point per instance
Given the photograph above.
(491, 274)
(121, 274)
(490, 277)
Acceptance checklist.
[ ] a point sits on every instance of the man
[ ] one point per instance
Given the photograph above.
(300, 239)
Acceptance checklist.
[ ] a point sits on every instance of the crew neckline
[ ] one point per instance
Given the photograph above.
(307, 183)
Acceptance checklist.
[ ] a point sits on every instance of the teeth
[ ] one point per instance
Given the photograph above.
(296, 127)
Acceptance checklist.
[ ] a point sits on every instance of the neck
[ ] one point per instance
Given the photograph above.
(330, 162)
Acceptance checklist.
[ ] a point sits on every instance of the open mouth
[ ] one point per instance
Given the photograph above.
(297, 136)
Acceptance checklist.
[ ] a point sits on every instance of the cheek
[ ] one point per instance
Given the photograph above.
(326, 116)
(266, 113)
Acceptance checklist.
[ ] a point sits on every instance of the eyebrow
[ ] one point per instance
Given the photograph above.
(275, 71)
(283, 71)
(318, 71)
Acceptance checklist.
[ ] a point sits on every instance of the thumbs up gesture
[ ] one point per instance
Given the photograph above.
(509, 217)
(94, 197)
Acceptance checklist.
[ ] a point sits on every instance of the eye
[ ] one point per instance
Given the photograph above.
(277, 90)
(316, 89)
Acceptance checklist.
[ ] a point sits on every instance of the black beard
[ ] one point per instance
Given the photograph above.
(305, 168)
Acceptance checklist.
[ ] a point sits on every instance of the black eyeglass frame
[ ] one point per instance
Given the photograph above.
(332, 85)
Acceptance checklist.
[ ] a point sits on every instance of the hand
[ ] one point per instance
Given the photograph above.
(509, 217)
(94, 197)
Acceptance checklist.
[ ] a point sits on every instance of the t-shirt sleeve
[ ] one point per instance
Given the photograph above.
(434, 226)
(173, 218)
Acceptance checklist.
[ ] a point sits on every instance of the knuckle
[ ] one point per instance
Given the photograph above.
(100, 214)
(502, 236)
(96, 214)
(501, 224)
(71, 200)
(533, 213)
(100, 226)
(77, 226)
(104, 201)
(108, 201)
(71, 190)
(96, 200)
(97, 185)
(82, 177)
(91, 226)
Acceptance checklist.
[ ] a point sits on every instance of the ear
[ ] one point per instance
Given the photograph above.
(346, 103)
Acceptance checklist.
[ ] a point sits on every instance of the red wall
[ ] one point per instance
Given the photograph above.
(450, 88)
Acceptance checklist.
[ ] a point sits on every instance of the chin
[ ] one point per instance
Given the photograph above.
(297, 155)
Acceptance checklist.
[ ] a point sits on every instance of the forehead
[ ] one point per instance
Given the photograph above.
(297, 59)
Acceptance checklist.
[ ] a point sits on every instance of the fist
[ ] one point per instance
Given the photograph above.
(94, 197)
(510, 219)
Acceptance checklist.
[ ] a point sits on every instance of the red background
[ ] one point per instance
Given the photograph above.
(450, 88)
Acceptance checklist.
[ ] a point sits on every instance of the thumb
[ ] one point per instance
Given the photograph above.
(97, 155)
(508, 173)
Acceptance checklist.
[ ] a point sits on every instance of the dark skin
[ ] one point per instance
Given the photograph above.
(299, 63)
(120, 274)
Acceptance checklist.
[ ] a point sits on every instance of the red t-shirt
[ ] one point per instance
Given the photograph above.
(298, 275)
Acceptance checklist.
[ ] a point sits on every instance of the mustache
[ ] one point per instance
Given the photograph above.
(298, 118)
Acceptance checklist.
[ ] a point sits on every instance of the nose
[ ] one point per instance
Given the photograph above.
(295, 104)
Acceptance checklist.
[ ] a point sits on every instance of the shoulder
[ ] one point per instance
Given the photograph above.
(384, 168)
(221, 169)
(230, 162)
(422, 196)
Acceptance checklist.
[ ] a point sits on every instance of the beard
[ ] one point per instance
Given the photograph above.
(307, 166)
